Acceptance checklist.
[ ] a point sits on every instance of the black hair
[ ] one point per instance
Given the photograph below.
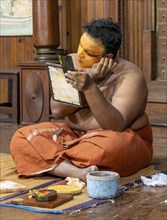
(107, 31)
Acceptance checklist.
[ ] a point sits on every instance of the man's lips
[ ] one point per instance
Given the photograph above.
(79, 61)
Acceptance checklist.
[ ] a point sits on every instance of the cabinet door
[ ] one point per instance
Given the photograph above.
(34, 93)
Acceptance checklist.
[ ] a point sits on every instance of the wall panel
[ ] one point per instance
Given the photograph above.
(79, 12)
(13, 50)
(72, 15)
(138, 24)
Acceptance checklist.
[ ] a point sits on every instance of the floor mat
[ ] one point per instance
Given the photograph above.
(78, 203)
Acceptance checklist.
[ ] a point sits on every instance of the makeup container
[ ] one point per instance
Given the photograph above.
(102, 184)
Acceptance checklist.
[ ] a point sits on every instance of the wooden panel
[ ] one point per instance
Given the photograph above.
(135, 23)
(139, 42)
(73, 14)
(161, 39)
(39, 69)
(139, 18)
(162, 72)
(11, 106)
(75, 24)
(62, 5)
(159, 150)
(157, 91)
(162, 3)
(148, 55)
(160, 132)
(13, 50)
(157, 113)
(3, 91)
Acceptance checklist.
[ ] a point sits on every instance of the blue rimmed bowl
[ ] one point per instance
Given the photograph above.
(102, 184)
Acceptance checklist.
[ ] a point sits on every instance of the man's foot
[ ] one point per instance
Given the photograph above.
(85, 171)
(66, 169)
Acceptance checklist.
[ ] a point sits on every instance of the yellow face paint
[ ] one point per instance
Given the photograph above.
(90, 51)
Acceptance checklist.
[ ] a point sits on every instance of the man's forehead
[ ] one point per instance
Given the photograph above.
(91, 43)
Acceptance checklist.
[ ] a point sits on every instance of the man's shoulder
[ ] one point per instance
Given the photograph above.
(125, 64)
(129, 72)
(127, 68)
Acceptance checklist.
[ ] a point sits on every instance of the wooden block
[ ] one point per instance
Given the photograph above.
(24, 200)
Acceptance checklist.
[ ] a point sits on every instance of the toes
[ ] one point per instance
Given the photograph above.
(93, 168)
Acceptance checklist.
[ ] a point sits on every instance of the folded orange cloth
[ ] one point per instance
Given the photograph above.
(35, 150)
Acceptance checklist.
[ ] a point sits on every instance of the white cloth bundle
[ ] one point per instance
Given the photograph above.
(158, 179)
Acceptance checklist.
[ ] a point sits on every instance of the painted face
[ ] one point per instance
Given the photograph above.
(90, 51)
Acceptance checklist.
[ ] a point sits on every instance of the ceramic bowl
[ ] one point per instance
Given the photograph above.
(102, 184)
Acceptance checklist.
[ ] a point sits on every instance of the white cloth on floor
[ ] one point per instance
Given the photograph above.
(158, 179)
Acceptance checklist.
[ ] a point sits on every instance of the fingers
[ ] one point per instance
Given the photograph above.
(114, 65)
(71, 78)
(76, 79)
(97, 68)
(108, 65)
(105, 65)
(75, 76)
(70, 75)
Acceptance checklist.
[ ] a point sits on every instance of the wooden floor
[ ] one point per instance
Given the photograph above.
(141, 203)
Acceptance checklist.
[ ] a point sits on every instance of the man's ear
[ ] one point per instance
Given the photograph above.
(109, 55)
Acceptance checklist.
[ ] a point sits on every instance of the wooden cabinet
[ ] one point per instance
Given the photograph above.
(34, 93)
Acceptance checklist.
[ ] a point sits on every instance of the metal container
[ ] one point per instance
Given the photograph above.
(102, 184)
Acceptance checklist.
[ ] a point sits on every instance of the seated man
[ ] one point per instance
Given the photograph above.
(111, 133)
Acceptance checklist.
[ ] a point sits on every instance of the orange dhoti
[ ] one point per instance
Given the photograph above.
(34, 149)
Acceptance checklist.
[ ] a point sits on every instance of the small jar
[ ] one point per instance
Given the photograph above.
(102, 184)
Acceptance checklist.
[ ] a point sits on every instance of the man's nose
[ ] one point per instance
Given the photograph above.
(80, 52)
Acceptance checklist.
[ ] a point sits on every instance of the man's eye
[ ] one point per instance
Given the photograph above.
(88, 53)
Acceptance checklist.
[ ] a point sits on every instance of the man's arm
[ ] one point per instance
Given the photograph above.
(126, 103)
